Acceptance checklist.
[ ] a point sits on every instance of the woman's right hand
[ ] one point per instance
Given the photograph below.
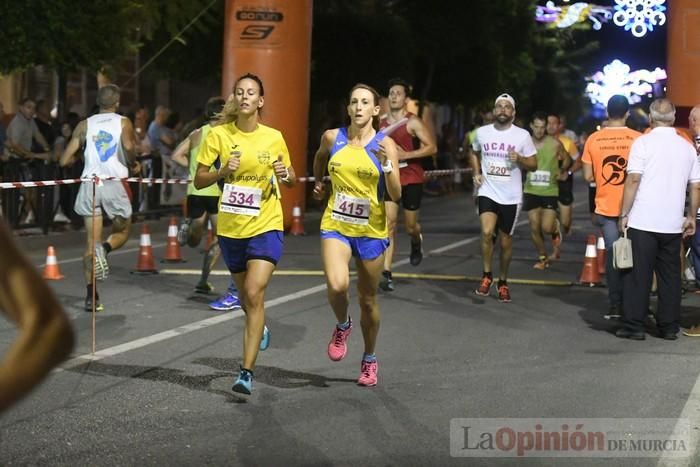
(233, 163)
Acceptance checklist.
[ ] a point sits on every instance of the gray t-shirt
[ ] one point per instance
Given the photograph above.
(21, 131)
(155, 131)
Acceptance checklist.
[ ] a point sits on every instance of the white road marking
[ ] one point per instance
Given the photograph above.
(182, 330)
(205, 323)
(186, 329)
(689, 417)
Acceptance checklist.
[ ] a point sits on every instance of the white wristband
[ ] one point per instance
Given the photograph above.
(388, 167)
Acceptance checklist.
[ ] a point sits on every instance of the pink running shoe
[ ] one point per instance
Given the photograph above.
(368, 374)
(337, 347)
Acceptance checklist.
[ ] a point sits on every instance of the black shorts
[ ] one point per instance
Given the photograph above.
(198, 205)
(531, 202)
(507, 213)
(591, 199)
(566, 191)
(411, 196)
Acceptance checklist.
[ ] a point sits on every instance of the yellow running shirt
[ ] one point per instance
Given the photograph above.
(356, 204)
(250, 201)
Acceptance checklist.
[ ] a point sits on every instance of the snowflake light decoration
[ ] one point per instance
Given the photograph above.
(616, 78)
(639, 16)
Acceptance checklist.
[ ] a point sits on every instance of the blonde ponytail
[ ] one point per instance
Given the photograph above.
(228, 113)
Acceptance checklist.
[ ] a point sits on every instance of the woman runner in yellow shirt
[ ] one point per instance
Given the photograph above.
(253, 160)
(363, 166)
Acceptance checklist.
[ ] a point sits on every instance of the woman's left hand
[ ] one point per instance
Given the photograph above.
(281, 170)
(381, 153)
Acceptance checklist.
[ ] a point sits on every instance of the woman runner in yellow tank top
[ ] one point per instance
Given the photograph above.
(363, 166)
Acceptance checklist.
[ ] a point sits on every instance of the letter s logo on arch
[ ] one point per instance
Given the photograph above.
(256, 32)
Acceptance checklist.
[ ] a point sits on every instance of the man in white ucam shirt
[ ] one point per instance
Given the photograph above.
(661, 164)
(110, 144)
(499, 151)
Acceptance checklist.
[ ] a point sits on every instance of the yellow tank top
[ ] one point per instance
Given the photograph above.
(212, 190)
(356, 204)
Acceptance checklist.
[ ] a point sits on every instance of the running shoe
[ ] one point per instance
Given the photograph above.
(244, 382)
(88, 304)
(265, 341)
(368, 374)
(386, 283)
(692, 332)
(183, 232)
(62, 219)
(503, 293)
(542, 264)
(204, 287)
(484, 286)
(101, 266)
(417, 251)
(226, 302)
(337, 347)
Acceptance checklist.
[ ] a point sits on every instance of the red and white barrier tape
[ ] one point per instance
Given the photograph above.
(172, 181)
(428, 173)
(167, 181)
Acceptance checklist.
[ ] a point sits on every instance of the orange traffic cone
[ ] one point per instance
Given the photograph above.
(51, 271)
(297, 227)
(145, 263)
(589, 273)
(600, 250)
(172, 247)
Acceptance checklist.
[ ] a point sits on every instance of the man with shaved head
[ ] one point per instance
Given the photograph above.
(661, 165)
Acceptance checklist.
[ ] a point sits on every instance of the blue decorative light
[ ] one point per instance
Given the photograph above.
(616, 78)
(639, 16)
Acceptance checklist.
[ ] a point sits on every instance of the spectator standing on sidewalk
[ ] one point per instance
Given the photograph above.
(694, 126)
(660, 166)
(605, 156)
(20, 134)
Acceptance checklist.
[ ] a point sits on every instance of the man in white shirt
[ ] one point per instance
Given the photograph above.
(499, 151)
(660, 166)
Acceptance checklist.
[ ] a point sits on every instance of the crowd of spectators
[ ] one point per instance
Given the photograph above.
(31, 143)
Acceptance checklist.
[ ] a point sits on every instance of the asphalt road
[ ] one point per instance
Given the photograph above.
(158, 390)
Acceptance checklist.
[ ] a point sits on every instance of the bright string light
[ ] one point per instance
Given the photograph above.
(616, 78)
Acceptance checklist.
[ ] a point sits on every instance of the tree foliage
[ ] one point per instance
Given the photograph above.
(451, 50)
(559, 80)
(197, 51)
(69, 34)
(357, 42)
